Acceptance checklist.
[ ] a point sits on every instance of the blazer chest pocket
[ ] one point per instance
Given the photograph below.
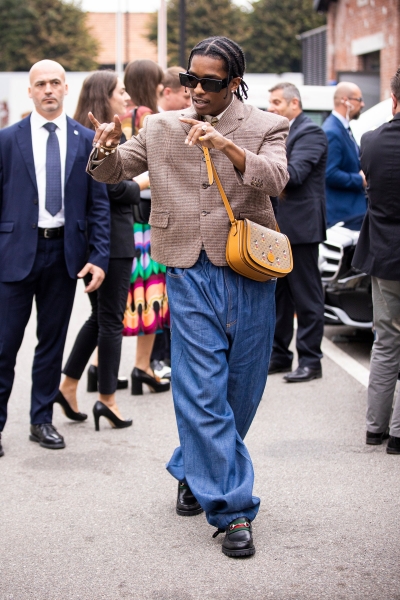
(159, 219)
(6, 226)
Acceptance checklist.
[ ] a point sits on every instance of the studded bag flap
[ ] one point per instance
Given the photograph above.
(252, 250)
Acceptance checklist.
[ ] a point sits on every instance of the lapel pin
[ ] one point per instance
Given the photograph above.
(76, 132)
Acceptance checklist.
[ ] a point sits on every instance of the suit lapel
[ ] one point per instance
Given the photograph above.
(24, 140)
(72, 146)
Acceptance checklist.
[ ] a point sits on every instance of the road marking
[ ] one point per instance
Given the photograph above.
(349, 364)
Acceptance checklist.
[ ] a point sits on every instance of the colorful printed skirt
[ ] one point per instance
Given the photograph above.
(147, 305)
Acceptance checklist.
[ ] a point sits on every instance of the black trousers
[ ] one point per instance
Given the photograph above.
(103, 328)
(54, 291)
(300, 292)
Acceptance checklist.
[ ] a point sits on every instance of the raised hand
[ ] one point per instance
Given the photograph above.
(107, 134)
(204, 134)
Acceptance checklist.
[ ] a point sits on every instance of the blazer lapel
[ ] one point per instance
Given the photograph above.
(24, 140)
(72, 146)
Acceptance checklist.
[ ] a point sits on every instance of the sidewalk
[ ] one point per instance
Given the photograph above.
(97, 520)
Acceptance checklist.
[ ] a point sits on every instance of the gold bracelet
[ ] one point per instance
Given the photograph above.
(108, 149)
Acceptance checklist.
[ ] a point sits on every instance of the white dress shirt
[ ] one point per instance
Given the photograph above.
(343, 120)
(39, 147)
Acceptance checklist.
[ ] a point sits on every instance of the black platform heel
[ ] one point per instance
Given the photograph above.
(101, 410)
(92, 380)
(71, 414)
(139, 377)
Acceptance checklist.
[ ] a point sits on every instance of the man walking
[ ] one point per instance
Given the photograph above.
(51, 212)
(222, 323)
(345, 182)
(377, 253)
(301, 216)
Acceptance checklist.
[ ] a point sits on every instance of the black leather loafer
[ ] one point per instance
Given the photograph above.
(186, 503)
(303, 374)
(47, 436)
(238, 541)
(376, 439)
(393, 446)
(275, 367)
(1, 448)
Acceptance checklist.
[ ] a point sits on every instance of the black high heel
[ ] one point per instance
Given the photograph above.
(101, 410)
(139, 377)
(71, 414)
(92, 380)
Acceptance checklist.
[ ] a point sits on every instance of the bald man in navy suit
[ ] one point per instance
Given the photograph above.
(54, 227)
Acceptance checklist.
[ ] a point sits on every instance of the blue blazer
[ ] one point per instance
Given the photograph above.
(345, 195)
(86, 204)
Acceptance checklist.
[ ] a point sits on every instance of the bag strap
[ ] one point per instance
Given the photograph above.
(212, 174)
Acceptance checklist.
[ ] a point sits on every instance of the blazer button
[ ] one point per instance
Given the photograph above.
(33, 225)
(205, 185)
(35, 201)
(204, 213)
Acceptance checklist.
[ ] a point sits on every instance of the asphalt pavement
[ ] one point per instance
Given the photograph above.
(97, 520)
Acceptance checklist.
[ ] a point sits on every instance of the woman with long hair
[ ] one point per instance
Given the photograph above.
(104, 92)
(147, 310)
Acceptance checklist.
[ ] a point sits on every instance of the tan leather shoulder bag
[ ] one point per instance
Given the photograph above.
(252, 250)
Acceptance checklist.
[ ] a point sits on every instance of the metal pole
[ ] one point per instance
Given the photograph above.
(119, 65)
(162, 34)
(182, 33)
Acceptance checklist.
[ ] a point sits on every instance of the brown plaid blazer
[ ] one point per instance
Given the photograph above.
(186, 212)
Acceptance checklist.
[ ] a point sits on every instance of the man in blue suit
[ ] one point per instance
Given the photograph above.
(54, 227)
(345, 182)
(301, 216)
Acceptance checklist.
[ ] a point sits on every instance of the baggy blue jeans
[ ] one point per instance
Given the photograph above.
(222, 328)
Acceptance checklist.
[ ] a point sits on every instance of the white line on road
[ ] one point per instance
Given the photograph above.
(349, 364)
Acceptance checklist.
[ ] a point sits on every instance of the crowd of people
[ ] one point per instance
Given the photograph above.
(121, 197)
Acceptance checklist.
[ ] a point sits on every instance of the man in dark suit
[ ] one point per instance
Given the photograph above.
(345, 181)
(378, 254)
(51, 213)
(301, 216)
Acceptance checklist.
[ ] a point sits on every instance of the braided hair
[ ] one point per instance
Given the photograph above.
(232, 55)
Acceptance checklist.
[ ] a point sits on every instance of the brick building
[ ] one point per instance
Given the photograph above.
(363, 43)
(135, 43)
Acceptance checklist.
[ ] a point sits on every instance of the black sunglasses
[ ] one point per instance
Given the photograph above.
(208, 85)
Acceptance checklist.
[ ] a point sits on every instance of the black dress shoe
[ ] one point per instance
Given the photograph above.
(93, 384)
(1, 448)
(238, 539)
(276, 367)
(393, 446)
(376, 439)
(71, 414)
(186, 503)
(140, 377)
(47, 436)
(101, 410)
(303, 374)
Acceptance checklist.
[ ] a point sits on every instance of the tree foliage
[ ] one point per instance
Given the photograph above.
(33, 30)
(203, 19)
(267, 33)
(270, 43)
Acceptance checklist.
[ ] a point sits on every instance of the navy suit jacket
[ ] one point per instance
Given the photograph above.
(301, 207)
(345, 195)
(86, 204)
(378, 248)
